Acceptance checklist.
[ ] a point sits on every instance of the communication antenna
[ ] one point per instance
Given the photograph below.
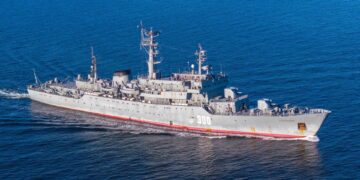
(188, 65)
(36, 78)
(141, 27)
(151, 48)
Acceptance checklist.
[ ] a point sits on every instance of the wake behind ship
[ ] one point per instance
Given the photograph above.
(198, 100)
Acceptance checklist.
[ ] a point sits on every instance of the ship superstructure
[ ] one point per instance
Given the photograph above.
(197, 100)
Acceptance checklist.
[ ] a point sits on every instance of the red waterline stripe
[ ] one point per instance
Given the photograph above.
(188, 128)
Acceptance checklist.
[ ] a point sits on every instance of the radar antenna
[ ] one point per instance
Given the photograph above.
(201, 54)
(151, 48)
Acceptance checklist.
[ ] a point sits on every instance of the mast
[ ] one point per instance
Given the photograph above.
(93, 73)
(201, 54)
(150, 45)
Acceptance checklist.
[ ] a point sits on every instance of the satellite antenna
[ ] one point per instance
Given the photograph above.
(192, 68)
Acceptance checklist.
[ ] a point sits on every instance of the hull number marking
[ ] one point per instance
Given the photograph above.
(203, 120)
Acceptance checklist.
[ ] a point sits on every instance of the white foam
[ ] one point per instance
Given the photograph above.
(11, 94)
(307, 138)
(214, 137)
(311, 138)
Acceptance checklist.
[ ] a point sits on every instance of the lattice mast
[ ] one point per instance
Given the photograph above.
(151, 48)
(201, 58)
(93, 72)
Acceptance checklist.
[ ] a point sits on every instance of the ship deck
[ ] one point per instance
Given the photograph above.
(240, 113)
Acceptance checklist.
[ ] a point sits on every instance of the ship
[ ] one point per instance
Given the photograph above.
(197, 100)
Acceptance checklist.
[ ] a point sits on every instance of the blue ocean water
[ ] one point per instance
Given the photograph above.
(302, 52)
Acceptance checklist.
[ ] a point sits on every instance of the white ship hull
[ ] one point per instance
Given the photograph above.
(188, 118)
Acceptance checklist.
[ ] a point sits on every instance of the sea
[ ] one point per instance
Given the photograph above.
(299, 52)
